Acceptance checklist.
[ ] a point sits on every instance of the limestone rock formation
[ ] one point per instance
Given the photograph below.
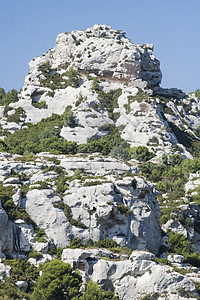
(133, 278)
(76, 172)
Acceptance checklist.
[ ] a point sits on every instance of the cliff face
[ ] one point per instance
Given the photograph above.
(93, 137)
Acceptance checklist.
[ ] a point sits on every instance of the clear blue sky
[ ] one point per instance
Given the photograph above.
(29, 28)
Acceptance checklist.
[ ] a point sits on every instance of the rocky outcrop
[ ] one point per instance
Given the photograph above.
(103, 51)
(133, 278)
(103, 202)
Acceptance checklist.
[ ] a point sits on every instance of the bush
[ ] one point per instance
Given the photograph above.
(76, 243)
(124, 209)
(179, 244)
(55, 80)
(193, 259)
(61, 185)
(106, 243)
(16, 117)
(120, 152)
(93, 292)
(22, 270)
(141, 153)
(41, 104)
(197, 93)
(58, 281)
(9, 97)
(9, 206)
(9, 291)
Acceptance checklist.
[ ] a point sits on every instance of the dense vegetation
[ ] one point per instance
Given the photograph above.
(9, 97)
(52, 79)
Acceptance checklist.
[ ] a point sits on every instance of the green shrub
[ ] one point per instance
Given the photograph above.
(9, 291)
(41, 104)
(141, 153)
(120, 152)
(40, 185)
(22, 270)
(76, 243)
(34, 254)
(92, 183)
(124, 209)
(16, 117)
(55, 80)
(58, 281)
(106, 243)
(40, 235)
(43, 136)
(179, 244)
(9, 206)
(61, 185)
(9, 97)
(193, 259)
(93, 292)
(67, 211)
(197, 93)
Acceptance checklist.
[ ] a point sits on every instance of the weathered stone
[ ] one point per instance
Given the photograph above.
(22, 285)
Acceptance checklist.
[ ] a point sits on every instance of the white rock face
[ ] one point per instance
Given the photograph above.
(4, 271)
(8, 235)
(39, 206)
(103, 51)
(22, 285)
(95, 202)
(133, 278)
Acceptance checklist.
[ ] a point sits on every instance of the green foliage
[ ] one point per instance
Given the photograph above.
(106, 243)
(124, 209)
(9, 291)
(34, 254)
(93, 292)
(153, 141)
(109, 100)
(187, 139)
(9, 97)
(140, 97)
(104, 144)
(40, 235)
(179, 244)
(197, 131)
(193, 259)
(162, 261)
(41, 104)
(197, 93)
(175, 159)
(120, 152)
(67, 211)
(22, 270)
(55, 80)
(8, 205)
(16, 117)
(76, 243)
(27, 156)
(40, 185)
(141, 153)
(61, 185)
(58, 281)
(77, 175)
(43, 136)
(91, 183)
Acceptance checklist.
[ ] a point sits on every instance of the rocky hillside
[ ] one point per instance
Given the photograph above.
(99, 168)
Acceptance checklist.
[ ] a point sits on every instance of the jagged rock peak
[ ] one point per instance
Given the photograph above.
(105, 52)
